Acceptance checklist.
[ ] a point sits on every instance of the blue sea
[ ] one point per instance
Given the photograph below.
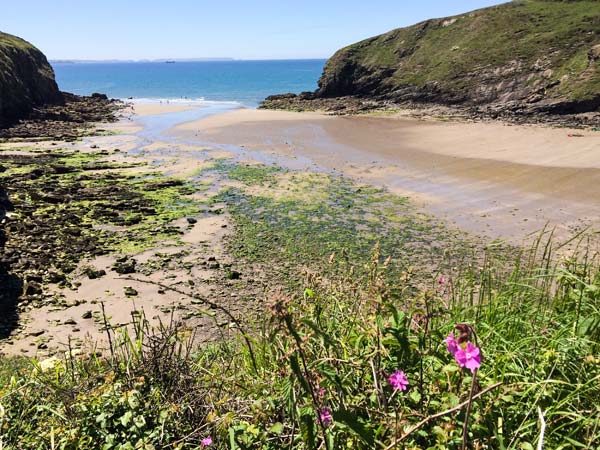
(244, 82)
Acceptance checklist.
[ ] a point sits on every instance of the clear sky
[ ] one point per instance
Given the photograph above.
(243, 29)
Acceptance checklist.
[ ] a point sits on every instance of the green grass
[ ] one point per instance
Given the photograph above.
(332, 344)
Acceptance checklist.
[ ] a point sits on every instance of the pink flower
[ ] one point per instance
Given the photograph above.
(206, 442)
(398, 380)
(470, 357)
(451, 344)
(325, 418)
(442, 280)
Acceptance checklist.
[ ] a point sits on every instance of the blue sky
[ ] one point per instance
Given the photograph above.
(259, 29)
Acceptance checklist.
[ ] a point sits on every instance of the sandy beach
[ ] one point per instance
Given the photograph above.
(500, 180)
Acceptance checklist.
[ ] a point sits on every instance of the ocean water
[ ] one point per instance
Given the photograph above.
(244, 82)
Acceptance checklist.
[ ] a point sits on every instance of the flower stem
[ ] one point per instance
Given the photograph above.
(468, 412)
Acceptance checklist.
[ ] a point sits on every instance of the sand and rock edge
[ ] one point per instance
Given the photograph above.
(92, 234)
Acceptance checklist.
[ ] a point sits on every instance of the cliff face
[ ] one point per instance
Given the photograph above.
(26, 79)
(536, 55)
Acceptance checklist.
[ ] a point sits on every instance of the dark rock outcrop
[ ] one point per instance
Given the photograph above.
(524, 57)
(5, 206)
(10, 285)
(67, 122)
(26, 80)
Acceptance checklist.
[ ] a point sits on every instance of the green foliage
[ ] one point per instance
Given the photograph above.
(354, 313)
(334, 347)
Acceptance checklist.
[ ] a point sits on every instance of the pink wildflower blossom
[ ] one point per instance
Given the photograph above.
(398, 380)
(206, 442)
(442, 280)
(470, 357)
(325, 418)
(451, 344)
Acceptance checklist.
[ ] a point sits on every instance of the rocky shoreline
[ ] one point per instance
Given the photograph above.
(67, 122)
(33, 247)
(354, 105)
(93, 224)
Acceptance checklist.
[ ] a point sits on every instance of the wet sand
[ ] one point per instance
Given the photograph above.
(499, 180)
(149, 109)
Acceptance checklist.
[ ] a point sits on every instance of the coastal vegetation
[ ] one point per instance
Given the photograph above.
(351, 349)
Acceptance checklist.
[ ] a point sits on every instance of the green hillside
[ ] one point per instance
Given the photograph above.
(532, 53)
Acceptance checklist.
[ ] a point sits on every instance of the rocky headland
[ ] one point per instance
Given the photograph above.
(31, 104)
(527, 60)
(26, 80)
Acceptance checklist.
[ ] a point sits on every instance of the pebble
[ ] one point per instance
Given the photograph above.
(130, 292)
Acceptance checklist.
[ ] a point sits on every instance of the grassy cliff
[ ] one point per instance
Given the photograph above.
(26, 79)
(525, 55)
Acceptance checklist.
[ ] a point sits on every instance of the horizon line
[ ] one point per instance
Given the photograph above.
(163, 60)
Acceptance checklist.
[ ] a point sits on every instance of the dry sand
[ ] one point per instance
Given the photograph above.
(501, 180)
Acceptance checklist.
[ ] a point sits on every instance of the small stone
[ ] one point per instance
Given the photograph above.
(86, 315)
(191, 220)
(124, 265)
(37, 333)
(130, 292)
(33, 288)
(69, 322)
(92, 273)
(55, 276)
(233, 275)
